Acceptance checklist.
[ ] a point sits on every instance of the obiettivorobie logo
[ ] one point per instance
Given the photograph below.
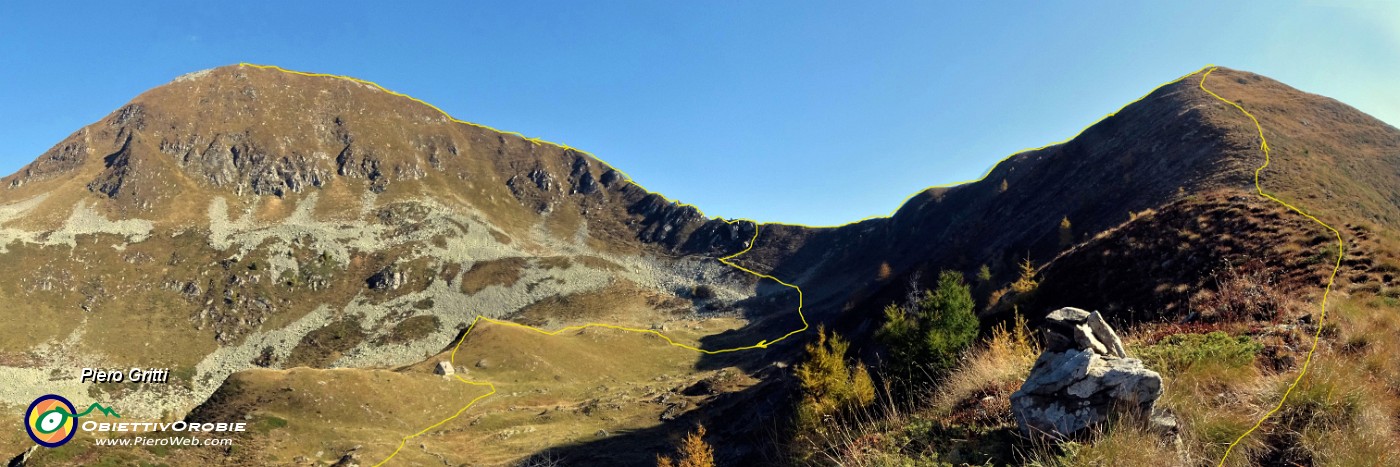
(52, 421)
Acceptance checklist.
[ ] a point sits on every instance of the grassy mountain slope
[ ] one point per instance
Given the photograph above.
(254, 221)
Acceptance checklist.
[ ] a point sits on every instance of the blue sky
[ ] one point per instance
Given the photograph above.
(799, 112)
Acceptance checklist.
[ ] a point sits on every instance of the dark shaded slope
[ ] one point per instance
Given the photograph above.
(1149, 153)
(1175, 142)
(247, 132)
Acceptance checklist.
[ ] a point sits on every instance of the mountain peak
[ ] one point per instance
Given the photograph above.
(253, 217)
(1178, 141)
(243, 132)
(259, 129)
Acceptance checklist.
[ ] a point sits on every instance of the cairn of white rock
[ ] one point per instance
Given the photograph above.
(1082, 378)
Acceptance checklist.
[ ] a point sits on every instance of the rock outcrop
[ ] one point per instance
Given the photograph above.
(1082, 378)
(386, 279)
(22, 459)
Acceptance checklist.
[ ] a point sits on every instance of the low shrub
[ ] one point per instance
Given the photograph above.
(1180, 352)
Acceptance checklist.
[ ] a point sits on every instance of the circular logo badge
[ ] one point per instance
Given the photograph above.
(50, 421)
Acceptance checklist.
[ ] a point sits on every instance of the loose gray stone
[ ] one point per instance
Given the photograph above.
(1067, 315)
(1105, 334)
(23, 458)
(1082, 378)
(1084, 338)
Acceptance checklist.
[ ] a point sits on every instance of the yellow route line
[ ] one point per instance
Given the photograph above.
(697, 208)
(726, 260)
(1264, 146)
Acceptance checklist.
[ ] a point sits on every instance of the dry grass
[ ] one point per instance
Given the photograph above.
(1345, 411)
(964, 420)
(315, 414)
(1220, 255)
(322, 346)
(1350, 154)
(1208, 409)
(564, 389)
(503, 272)
(413, 328)
(1202, 391)
(1128, 442)
(1337, 412)
(551, 391)
(621, 302)
(1001, 362)
(1240, 294)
